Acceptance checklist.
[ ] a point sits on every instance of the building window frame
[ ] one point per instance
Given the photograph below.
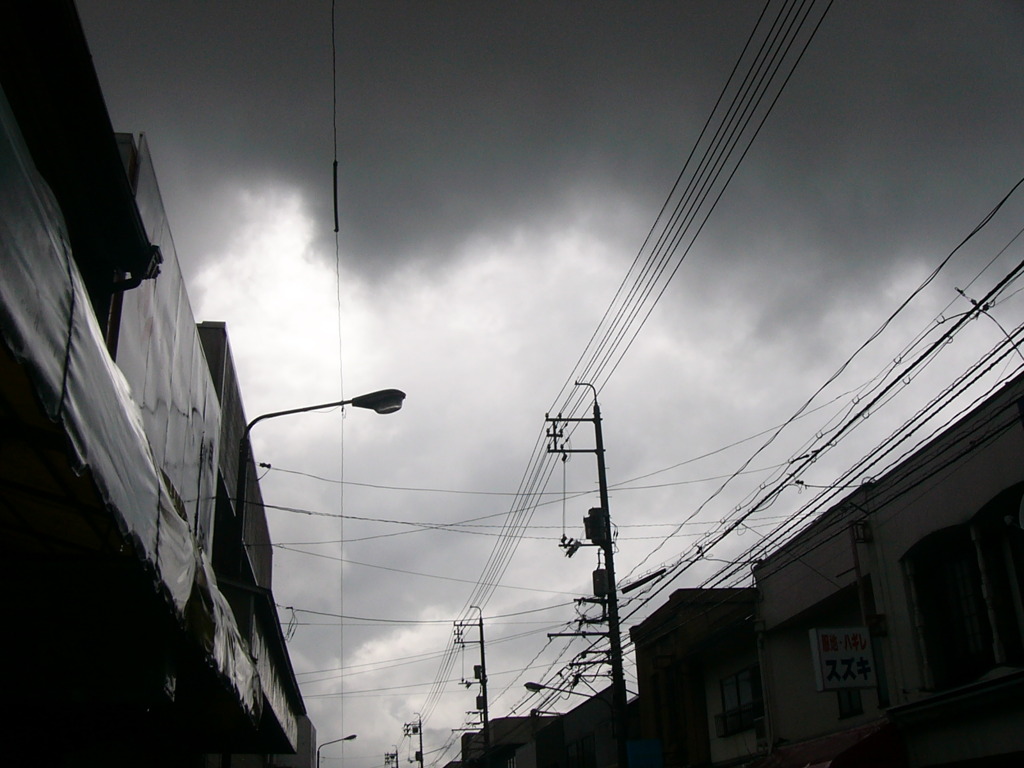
(582, 753)
(742, 702)
(850, 702)
(964, 586)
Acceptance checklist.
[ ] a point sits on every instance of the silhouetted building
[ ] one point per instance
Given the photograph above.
(889, 632)
(125, 644)
(583, 737)
(506, 735)
(699, 679)
(892, 628)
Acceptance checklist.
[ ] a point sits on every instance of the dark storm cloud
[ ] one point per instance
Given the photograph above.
(453, 118)
(897, 126)
(466, 118)
(897, 133)
(463, 119)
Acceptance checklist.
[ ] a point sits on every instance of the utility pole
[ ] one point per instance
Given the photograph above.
(413, 729)
(598, 526)
(391, 759)
(480, 674)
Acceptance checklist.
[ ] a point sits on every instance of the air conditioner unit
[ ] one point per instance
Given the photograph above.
(761, 733)
(720, 730)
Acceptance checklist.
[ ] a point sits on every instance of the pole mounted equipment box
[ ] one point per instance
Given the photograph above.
(595, 525)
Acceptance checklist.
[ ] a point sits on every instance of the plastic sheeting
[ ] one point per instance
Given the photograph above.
(48, 324)
(162, 358)
(273, 687)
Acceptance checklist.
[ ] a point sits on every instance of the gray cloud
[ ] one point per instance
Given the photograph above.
(456, 118)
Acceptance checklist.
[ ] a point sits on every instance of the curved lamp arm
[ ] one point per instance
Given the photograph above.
(381, 401)
(350, 737)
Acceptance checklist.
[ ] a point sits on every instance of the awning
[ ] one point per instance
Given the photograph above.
(977, 721)
(84, 504)
(877, 745)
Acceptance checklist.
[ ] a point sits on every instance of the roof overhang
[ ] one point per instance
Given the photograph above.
(50, 82)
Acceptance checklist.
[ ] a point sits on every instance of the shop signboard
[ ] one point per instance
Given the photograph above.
(843, 658)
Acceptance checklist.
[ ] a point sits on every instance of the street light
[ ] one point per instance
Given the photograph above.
(381, 401)
(335, 741)
(538, 687)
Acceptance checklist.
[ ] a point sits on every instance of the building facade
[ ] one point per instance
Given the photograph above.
(926, 563)
(131, 644)
(699, 678)
(583, 737)
(889, 632)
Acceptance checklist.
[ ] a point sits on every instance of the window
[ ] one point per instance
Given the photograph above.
(947, 586)
(581, 753)
(850, 703)
(965, 585)
(742, 702)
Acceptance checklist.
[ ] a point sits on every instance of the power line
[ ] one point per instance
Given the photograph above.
(881, 392)
(873, 336)
(620, 326)
(874, 455)
(420, 574)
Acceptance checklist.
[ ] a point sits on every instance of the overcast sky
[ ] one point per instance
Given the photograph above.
(500, 166)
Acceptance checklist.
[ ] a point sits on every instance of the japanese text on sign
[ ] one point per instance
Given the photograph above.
(843, 658)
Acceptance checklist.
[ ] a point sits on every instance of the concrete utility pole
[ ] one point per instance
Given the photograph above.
(480, 673)
(413, 729)
(599, 531)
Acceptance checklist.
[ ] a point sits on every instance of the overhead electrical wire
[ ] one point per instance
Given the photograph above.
(849, 360)
(456, 528)
(535, 474)
(386, 664)
(771, 66)
(621, 485)
(751, 92)
(782, 33)
(748, 92)
(405, 687)
(685, 563)
(881, 389)
(391, 569)
(688, 561)
(871, 465)
(626, 318)
(981, 435)
(949, 396)
(885, 391)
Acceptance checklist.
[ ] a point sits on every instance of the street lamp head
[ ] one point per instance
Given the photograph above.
(538, 687)
(350, 737)
(333, 741)
(381, 401)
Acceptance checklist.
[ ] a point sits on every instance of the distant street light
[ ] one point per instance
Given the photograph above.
(381, 401)
(538, 687)
(335, 741)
